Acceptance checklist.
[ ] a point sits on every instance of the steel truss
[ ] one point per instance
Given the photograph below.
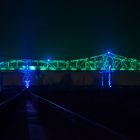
(99, 62)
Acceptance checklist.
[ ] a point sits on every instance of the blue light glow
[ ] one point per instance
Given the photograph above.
(48, 60)
(27, 67)
(32, 68)
(108, 52)
(27, 73)
(102, 80)
(27, 83)
(109, 77)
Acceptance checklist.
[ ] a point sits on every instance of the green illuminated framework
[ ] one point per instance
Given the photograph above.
(99, 62)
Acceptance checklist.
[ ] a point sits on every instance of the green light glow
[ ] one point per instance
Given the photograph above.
(99, 62)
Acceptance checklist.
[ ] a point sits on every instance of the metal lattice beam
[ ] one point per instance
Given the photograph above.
(100, 62)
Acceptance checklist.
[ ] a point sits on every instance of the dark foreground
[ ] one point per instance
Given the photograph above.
(111, 114)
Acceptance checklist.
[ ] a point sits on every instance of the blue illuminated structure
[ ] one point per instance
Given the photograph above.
(27, 83)
(106, 71)
(109, 77)
(102, 79)
(109, 60)
(27, 74)
(106, 64)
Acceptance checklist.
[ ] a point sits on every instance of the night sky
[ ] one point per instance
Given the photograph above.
(66, 29)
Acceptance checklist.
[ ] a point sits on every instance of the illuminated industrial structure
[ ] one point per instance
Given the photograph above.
(104, 64)
(96, 63)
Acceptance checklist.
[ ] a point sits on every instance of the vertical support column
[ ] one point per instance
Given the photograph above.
(102, 79)
(27, 80)
(109, 77)
(109, 68)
